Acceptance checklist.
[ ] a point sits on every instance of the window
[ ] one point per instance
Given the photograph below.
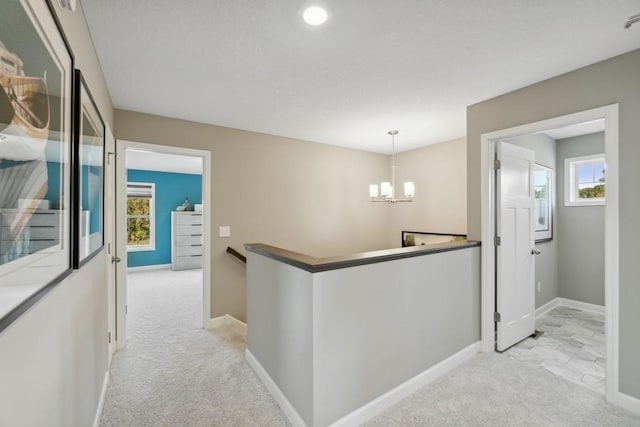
(584, 180)
(543, 186)
(141, 216)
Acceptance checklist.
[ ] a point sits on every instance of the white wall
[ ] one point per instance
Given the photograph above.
(335, 340)
(53, 359)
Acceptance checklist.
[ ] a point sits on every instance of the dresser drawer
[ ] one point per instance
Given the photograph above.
(51, 219)
(188, 230)
(184, 262)
(188, 240)
(188, 218)
(188, 250)
(44, 232)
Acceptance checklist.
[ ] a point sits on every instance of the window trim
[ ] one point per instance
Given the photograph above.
(152, 220)
(571, 184)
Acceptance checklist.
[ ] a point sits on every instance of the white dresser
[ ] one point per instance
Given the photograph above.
(42, 232)
(186, 240)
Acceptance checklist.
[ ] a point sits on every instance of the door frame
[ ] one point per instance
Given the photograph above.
(121, 201)
(612, 234)
(110, 240)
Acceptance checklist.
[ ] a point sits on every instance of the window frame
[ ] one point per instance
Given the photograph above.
(571, 189)
(152, 219)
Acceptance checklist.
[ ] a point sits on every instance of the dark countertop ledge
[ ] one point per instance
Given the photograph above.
(316, 265)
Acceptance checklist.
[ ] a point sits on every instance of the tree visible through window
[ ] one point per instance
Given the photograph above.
(140, 216)
(585, 180)
(590, 180)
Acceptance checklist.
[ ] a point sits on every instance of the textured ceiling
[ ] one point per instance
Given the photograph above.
(411, 65)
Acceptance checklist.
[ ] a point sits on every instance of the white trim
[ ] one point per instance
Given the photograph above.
(566, 302)
(121, 195)
(629, 403)
(152, 220)
(611, 253)
(148, 267)
(547, 307)
(103, 394)
(579, 305)
(227, 320)
(393, 396)
(216, 322)
(612, 235)
(232, 321)
(294, 417)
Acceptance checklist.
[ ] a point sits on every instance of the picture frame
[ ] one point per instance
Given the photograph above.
(88, 175)
(421, 238)
(543, 191)
(36, 130)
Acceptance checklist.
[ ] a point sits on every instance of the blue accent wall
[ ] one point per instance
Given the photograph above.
(171, 189)
(53, 184)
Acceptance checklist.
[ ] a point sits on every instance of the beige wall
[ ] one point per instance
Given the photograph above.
(307, 197)
(439, 172)
(53, 359)
(616, 80)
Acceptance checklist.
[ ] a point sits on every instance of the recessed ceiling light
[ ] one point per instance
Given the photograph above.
(314, 15)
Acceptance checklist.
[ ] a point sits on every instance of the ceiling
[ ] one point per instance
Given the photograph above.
(580, 129)
(162, 162)
(411, 65)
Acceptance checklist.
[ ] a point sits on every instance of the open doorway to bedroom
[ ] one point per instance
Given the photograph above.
(569, 182)
(571, 252)
(163, 230)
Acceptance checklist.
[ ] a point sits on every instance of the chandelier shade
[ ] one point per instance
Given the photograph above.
(387, 189)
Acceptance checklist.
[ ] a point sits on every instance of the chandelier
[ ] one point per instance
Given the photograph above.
(388, 189)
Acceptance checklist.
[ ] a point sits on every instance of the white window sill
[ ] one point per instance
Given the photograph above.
(140, 248)
(592, 202)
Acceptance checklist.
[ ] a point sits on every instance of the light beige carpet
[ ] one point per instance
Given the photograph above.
(173, 373)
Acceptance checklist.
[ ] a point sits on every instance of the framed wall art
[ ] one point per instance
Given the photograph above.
(88, 176)
(36, 87)
(419, 238)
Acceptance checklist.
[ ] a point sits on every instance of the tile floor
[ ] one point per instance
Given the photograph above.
(572, 347)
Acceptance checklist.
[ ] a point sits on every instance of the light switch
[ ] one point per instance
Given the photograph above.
(224, 231)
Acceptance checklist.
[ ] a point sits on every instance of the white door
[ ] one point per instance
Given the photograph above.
(110, 236)
(515, 261)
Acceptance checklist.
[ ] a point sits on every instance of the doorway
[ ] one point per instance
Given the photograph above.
(488, 147)
(148, 239)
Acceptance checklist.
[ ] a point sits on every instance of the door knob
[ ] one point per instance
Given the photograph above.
(535, 252)
(115, 260)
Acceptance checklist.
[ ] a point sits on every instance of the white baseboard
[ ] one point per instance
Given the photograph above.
(584, 306)
(566, 302)
(393, 396)
(627, 402)
(216, 322)
(103, 394)
(545, 308)
(286, 406)
(227, 320)
(148, 268)
(237, 323)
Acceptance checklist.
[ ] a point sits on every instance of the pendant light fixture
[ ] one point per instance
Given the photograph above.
(388, 189)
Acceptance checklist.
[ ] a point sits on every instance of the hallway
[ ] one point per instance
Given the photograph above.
(172, 371)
